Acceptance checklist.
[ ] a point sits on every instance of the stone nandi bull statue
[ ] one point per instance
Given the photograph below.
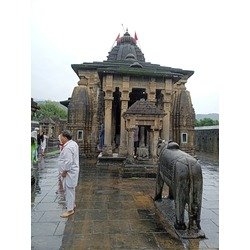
(183, 175)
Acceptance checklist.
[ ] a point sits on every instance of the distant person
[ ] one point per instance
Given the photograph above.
(43, 143)
(60, 178)
(69, 169)
(40, 138)
(34, 155)
(37, 141)
(33, 151)
(101, 137)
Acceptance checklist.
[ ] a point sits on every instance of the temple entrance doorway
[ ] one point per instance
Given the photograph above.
(116, 120)
(135, 95)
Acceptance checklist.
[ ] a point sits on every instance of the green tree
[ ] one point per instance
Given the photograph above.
(206, 122)
(197, 123)
(216, 122)
(51, 109)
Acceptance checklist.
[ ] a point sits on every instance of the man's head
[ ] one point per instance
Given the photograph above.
(65, 136)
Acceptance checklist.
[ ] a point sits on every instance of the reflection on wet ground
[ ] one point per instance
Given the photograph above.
(210, 160)
(114, 212)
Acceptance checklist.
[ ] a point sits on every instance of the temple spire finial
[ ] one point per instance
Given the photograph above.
(123, 28)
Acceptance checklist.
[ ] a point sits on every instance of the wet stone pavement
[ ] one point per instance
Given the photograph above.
(113, 212)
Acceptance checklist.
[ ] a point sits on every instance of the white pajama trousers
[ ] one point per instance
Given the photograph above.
(70, 197)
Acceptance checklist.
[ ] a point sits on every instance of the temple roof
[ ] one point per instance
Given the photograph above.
(34, 106)
(130, 68)
(126, 58)
(79, 105)
(66, 102)
(126, 48)
(143, 107)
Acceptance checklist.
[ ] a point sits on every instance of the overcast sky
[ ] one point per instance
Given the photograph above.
(178, 34)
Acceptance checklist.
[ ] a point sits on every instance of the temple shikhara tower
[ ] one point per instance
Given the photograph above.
(127, 95)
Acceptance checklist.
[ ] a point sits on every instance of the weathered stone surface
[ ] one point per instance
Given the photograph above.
(182, 173)
(165, 210)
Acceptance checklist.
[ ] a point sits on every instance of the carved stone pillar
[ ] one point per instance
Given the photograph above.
(142, 151)
(142, 139)
(131, 143)
(123, 134)
(167, 102)
(166, 122)
(151, 90)
(123, 148)
(107, 126)
(108, 83)
(148, 142)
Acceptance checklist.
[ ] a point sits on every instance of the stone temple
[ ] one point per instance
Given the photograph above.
(124, 93)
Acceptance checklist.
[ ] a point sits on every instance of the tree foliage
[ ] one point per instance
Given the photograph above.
(50, 109)
(206, 122)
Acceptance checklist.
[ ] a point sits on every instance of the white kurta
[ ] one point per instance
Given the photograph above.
(69, 161)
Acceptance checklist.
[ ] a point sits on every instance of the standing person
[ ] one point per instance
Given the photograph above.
(39, 139)
(69, 169)
(33, 150)
(43, 143)
(37, 142)
(34, 147)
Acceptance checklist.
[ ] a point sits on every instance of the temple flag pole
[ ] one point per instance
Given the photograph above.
(136, 40)
(116, 40)
(123, 28)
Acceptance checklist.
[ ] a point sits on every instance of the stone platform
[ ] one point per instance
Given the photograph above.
(113, 212)
(165, 213)
(127, 168)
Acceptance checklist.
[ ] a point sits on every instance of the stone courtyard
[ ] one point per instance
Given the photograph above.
(114, 212)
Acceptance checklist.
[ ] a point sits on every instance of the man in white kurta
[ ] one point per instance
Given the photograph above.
(69, 169)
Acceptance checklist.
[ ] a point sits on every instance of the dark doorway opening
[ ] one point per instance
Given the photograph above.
(136, 95)
(116, 115)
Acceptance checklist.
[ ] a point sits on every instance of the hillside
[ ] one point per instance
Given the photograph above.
(57, 103)
(213, 116)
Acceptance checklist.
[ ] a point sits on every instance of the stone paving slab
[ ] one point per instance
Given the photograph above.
(112, 212)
